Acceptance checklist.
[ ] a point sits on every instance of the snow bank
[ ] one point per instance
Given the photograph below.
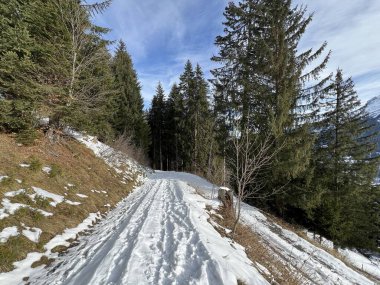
(371, 266)
(231, 257)
(14, 193)
(10, 208)
(71, 233)
(115, 159)
(319, 265)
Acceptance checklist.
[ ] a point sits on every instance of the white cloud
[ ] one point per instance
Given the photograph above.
(351, 29)
(162, 35)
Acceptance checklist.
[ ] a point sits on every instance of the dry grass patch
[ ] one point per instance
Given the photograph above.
(43, 261)
(70, 163)
(15, 248)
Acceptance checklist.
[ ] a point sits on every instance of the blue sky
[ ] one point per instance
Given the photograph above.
(162, 35)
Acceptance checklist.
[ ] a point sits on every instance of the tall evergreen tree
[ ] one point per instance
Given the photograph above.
(183, 126)
(194, 91)
(345, 170)
(186, 86)
(175, 125)
(129, 114)
(18, 81)
(264, 85)
(200, 117)
(57, 77)
(157, 126)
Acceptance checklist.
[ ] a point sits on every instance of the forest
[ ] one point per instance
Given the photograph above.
(268, 105)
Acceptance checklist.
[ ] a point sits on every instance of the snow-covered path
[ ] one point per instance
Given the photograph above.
(158, 235)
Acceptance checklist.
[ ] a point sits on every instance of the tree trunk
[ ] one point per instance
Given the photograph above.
(237, 217)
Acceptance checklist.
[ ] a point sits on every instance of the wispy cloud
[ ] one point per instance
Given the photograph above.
(162, 35)
(351, 29)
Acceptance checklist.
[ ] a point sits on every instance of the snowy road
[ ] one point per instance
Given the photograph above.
(158, 235)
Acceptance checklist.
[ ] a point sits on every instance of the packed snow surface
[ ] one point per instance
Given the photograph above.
(157, 235)
(160, 234)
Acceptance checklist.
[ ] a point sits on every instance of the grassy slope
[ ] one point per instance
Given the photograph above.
(72, 163)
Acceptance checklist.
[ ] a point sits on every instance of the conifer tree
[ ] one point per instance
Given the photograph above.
(157, 126)
(186, 86)
(201, 116)
(56, 64)
(175, 127)
(129, 114)
(345, 170)
(197, 120)
(263, 82)
(18, 85)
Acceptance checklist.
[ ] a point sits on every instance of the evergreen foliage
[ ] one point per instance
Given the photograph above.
(344, 170)
(129, 118)
(262, 82)
(54, 63)
(322, 161)
(157, 125)
(18, 86)
(175, 125)
(183, 125)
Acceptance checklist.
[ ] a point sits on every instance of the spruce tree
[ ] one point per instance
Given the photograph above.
(345, 170)
(263, 83)
(129, 116)
(53, 63)
(186, 86)
(201, 119)
(197, 121)
(19, 88)
(157, 126)
(175, 124)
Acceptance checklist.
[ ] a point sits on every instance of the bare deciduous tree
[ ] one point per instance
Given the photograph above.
(248, 159)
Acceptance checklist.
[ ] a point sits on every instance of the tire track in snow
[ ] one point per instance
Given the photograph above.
(153, 241)
(83, 261)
